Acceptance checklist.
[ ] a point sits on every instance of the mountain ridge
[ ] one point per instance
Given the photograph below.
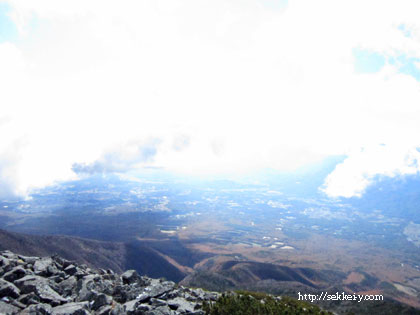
(216, 273)
(55, 286)
(118, 256)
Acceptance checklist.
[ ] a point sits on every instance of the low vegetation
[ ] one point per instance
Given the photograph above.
(252, 303)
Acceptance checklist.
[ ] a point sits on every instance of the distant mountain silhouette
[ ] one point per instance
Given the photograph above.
(221, 273)
(117, 256)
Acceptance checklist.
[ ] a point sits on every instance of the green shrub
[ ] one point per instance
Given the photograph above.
(254, 303)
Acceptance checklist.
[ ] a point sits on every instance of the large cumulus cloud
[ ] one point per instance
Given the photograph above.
(225, 85)
(351, 177)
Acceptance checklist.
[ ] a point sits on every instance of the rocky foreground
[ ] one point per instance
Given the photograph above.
(53, 285)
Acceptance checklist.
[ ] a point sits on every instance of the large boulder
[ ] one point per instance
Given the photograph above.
(45, 267)
(134, 307)
(158, 288)
(6, 308)
(89, 286)
(4, 261)
(37, 309)
(15, 274)
(79, 308)
(6, 265)
(71, 270)
(130, 277)
(67, 287)
(28, 299)
(101, 300)
(182, 305)
(160, 310)
(10, 255)
(41, 287)
(8, 289)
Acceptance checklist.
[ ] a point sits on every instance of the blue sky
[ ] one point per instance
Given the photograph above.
(370, 61)
(366, 61)
(407, 65)
(8, 30)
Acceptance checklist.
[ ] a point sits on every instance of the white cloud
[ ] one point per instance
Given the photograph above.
(247, 84)
(122, 159)
(358, 171)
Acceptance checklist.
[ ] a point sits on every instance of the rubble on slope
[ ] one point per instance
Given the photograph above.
(55, 286)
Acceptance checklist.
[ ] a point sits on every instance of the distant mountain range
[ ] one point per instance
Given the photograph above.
(117, 256)
(217, 273)
(272, 231)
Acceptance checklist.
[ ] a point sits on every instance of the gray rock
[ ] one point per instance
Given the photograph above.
(8, 289)
(80, 274)
(143, 308)
(101, 300)
(157, 302)
(109, 277)
(38, 309)
(189, 297)
(86, 288)
(4, 261)
(80, 308)
(120, 294)
(124, 293)
(9, 254)
(212, 296)
(57, 278)
(161, 310)
(144, 297)
(198, 293)
(28, 299)
(44, 267)
(156, 288)
(6, 308)
(48, 295)
(130, 277)
(71, 270)
(130, 307)
(181, 305)
(83, 266)
(18, 304)
(8, 264)
(117, 309)
(107, 286)
(50, 286)
(60, 262)
(41, 287)
(52, 270)
(67, 286)
(171, 294)
(29, 259)
(15, 274)
(104, 310)
(28, 283)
